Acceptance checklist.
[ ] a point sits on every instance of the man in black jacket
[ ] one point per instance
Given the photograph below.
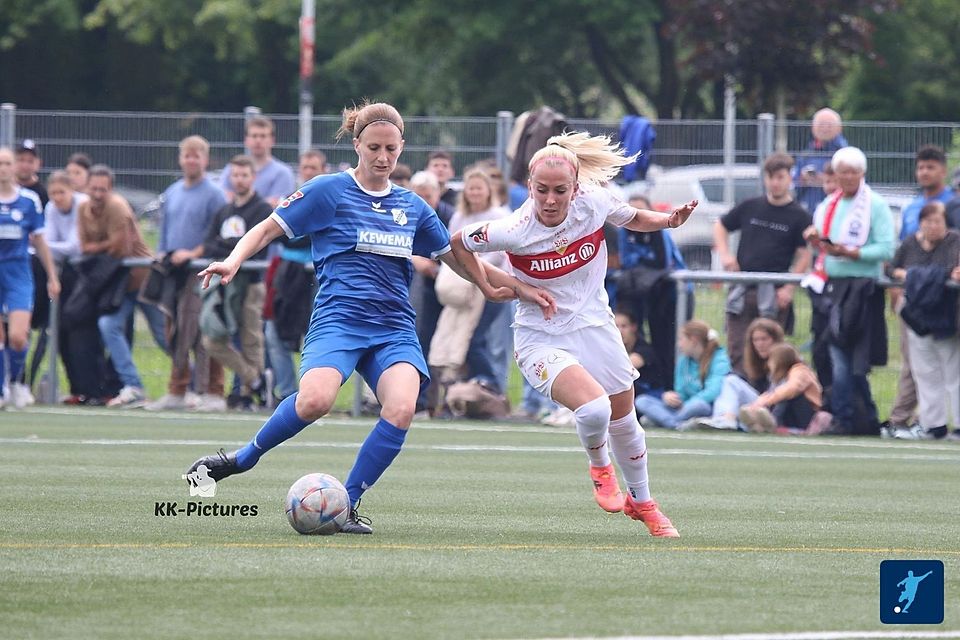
(229, 225)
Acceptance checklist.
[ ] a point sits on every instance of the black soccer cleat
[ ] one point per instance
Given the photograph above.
(356, 523)
(219, 466)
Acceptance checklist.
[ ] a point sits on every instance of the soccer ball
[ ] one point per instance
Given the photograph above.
(317, 504)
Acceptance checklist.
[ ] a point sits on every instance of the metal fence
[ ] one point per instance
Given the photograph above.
(709, 303)
(141, 147)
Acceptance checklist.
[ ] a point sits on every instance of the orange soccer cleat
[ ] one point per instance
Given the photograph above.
(649, 513)
(606, 489)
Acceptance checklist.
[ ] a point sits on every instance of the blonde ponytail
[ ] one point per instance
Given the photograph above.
(595, 159)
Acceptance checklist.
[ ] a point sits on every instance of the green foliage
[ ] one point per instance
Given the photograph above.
(664, 58)
(20, 17)
(915, 71)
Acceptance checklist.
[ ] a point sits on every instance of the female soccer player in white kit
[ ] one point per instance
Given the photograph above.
(555, 241)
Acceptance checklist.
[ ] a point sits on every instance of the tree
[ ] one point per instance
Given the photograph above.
(916, 70)
(779, 53)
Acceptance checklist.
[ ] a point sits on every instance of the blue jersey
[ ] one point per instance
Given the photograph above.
(18, 219)
(361, 246)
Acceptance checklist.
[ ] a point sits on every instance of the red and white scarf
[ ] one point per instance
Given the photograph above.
(854, 231)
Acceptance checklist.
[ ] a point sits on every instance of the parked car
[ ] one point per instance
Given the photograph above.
(705, 183)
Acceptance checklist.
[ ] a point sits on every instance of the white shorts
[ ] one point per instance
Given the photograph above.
(542, 356)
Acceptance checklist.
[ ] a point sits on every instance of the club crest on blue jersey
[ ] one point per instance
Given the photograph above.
(399, 216)
(296, 195)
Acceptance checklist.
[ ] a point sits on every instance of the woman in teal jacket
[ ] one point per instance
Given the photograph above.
(698, 378)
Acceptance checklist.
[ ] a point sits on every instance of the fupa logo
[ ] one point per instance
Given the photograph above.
(201, 484)
(911, 592)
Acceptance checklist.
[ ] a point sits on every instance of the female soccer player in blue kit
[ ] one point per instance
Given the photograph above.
(363, 231)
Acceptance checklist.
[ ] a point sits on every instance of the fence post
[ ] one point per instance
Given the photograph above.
(52, 391)
(504, 127)
(8, 124)
(248, 113)
(765, 122)
(357, 408)
(681, 304)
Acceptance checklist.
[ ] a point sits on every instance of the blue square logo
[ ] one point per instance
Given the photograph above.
(911, 592)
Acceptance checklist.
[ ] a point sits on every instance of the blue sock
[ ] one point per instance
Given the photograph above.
(282, 425)
(375, 455)
(17, 361)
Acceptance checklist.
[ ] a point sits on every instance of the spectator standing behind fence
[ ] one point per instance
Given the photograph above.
(274, 180)
(794, 399)
(106, 225)
(60, 217)
(741, 389)
(855, 236)
(295, 284)
(78, 168)
(440, 164)
(463, 303)
(493, 336)
(925, 260)
(697, 380)
(825, 138)
(21, 225)
(819, 306)
(644, 288)
(60, 229)
(931, 174)
(189, 206)
(771, 240)
(423, 294)
(28, 165)
(236, 309)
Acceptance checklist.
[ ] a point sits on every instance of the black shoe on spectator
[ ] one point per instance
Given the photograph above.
(234, 400)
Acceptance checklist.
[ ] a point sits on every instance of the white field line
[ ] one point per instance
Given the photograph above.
(492, 427)
(798, 635)
(807, 455)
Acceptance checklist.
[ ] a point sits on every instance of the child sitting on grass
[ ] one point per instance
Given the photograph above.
(794, 399)
(698, 377)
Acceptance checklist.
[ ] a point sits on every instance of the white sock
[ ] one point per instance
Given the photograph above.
(629, 444)
(592, 420)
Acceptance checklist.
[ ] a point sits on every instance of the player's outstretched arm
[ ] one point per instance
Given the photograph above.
(468, 266)
(646, 220)
(253, 241)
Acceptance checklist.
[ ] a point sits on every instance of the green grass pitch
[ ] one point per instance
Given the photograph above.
(481, 531)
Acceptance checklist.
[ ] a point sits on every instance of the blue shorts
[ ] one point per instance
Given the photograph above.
(16, 285)
(367, 348)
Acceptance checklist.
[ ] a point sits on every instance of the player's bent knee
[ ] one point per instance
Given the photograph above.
(313, 404)
(595, 413)
(399, 414)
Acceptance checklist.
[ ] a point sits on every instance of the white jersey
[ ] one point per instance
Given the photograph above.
(569, 260)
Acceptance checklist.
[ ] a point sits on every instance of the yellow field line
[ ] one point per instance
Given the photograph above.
(474, 547)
